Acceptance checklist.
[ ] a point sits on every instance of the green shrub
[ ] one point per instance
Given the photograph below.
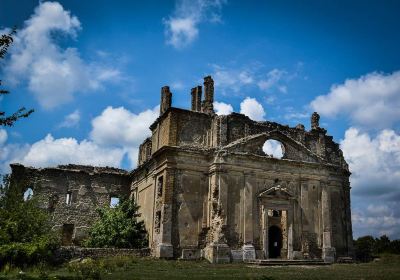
(118, 227)
(27, 253)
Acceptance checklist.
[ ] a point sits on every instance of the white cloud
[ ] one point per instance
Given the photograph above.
(375, 180)
(272, 79)
(182, 28)
(51, 152)
(71, 120)
(222, 108)
(52, 74)
(374, 162)
(252, 108)
(116, 132)
(371, 101)
(273, 148)
(118, 126)
(122, 128)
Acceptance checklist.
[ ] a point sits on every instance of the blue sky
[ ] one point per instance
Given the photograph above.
(92, 70)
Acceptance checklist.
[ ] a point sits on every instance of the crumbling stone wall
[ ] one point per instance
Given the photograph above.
(220, 158)
(87, 187)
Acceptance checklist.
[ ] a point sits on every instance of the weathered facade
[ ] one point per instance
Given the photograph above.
(207, 189)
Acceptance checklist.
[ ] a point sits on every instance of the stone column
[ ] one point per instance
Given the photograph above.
(249, 252)
(217, 251)
(350, 248)
(290, 220)
(265, 231)
(164, 248)
(328, 252)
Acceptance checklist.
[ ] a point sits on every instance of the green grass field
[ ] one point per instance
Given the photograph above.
(388, 267)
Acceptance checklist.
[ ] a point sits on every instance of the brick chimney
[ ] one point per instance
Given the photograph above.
(207, 106)
(196, 93)
(166, 99)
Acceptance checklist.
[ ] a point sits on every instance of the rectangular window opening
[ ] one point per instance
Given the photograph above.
(114, 201)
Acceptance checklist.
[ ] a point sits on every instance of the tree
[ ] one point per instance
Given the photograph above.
(118, 227)
(364, 248)
(382, 245)
(5, 42)
(25, 232)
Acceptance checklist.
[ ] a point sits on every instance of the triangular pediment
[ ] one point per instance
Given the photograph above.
(276, 192)
(253, 144)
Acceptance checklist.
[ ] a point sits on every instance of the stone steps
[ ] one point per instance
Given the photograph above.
(280, 262)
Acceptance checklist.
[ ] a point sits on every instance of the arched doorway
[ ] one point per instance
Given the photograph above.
(274, 242)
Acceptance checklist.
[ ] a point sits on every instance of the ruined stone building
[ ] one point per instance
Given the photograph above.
(207, 189)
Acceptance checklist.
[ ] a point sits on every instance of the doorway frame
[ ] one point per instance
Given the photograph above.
(276, 198)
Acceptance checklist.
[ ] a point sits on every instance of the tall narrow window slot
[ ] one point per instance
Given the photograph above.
(68, 198)
(160, 183)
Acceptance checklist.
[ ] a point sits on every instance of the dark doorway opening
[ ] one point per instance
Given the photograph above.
(274, 242)
(67, 233)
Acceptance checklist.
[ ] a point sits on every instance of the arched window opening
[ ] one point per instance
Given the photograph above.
(114, 201)
(28, 194)
(274, 148)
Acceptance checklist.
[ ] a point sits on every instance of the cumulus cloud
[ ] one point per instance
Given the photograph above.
(52, 74)
(374, 162)
(119, 126)
(375, 180)
(371, 101)
(115, 133)
(122, 128)
(51, 152)
(71, 120)
(222, 108)
(182, 28)
(253, 109)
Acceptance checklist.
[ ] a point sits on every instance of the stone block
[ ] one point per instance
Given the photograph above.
(191, 254)
(237, 255)
(217, 253)
(164, 251)
(249, 253)
(297, 255)
(328, 254)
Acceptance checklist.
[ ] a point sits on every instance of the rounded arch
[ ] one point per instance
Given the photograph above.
(274, 148)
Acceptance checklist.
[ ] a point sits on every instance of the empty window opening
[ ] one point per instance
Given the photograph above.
(67, 234)
(157, 221)
(28, 194)
(273, 148)
(114, 201)
(68, 198)
(53, 202)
